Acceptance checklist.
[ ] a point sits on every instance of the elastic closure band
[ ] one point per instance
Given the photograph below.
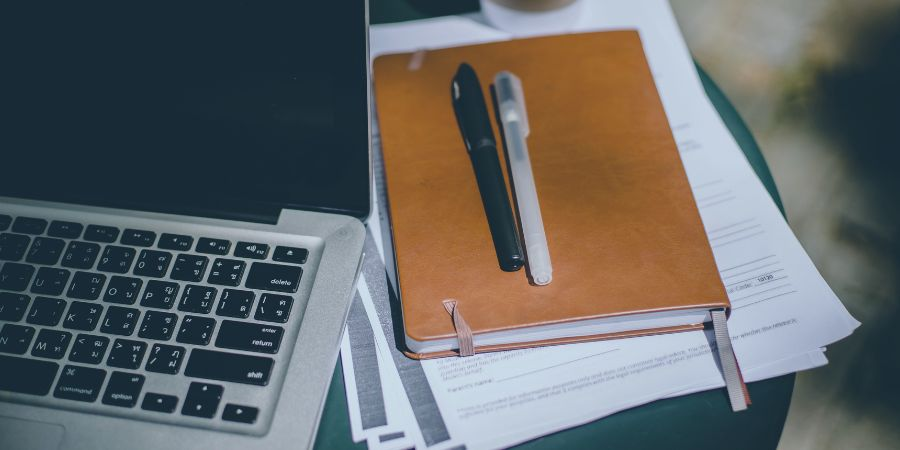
(463, 332)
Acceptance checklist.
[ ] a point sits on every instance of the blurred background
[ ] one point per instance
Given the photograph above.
(818, 83)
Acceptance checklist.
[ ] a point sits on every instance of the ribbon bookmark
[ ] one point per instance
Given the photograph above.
(416, 60)
(734, 382)
(463, 332)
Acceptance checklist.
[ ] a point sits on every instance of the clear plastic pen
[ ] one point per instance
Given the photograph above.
(514, 120)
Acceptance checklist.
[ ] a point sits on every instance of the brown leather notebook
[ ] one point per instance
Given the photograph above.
(629, 252)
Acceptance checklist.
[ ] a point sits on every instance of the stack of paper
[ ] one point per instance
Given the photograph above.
(784, 314)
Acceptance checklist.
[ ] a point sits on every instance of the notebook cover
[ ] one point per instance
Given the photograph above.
(624, 232)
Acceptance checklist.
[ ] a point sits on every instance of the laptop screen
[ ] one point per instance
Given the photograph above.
(234, 109)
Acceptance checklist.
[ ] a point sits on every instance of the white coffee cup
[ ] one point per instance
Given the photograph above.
(529, 17)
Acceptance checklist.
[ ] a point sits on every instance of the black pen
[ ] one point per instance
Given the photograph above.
(475, 126)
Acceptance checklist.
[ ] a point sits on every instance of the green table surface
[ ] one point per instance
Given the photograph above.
(698, 421)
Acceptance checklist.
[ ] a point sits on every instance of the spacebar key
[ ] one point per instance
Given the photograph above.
(231, 367)
(28, 376)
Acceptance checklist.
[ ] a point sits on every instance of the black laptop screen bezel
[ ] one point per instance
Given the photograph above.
(351, 112)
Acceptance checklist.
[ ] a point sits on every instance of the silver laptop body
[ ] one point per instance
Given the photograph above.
(131, 320)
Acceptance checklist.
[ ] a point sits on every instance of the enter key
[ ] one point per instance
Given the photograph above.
(249, 336)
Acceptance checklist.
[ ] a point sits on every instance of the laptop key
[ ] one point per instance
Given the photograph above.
(123, 389)
(15, 277)
(4, 222)
(230, 367)
(138, 238)
(15, 339)
(274, 277)
(196, 330)
(80, 255)
(197, 299)
(122, 290)
(274, 308)
(249, 336)
(189, 267)
(13, 246)
(28, 225)
(86, 285)
(160, 294)
(165, 359)
(45, 251)
(82, 316)
(51, 344)
(251, 250)
(50, 281)
(175, 242)
(116, 259)
(89, 349)
(152, 263)
(235, 303)
(120, 321)
(99, 233)
(46, 311)
(213, 246)
(240, 413)
(13, 306)
(126, 354)
(158, 325)
(202, 400)
(27, 376)
(65, 230)
(159, 402)
(291, 255)
(226, 272)
(79, 383)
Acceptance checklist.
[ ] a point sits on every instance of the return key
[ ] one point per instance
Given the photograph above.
(249, 336)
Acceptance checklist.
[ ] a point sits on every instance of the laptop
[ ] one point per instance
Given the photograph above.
(182, 189)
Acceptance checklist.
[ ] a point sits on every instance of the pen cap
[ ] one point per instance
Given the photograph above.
(471, 110)
(511, 99)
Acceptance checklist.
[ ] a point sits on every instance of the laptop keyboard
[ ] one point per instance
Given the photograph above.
(155, 324)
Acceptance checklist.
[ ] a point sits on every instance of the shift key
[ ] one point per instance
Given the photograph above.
(249, 336)
(274, 277)
(213, 365)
